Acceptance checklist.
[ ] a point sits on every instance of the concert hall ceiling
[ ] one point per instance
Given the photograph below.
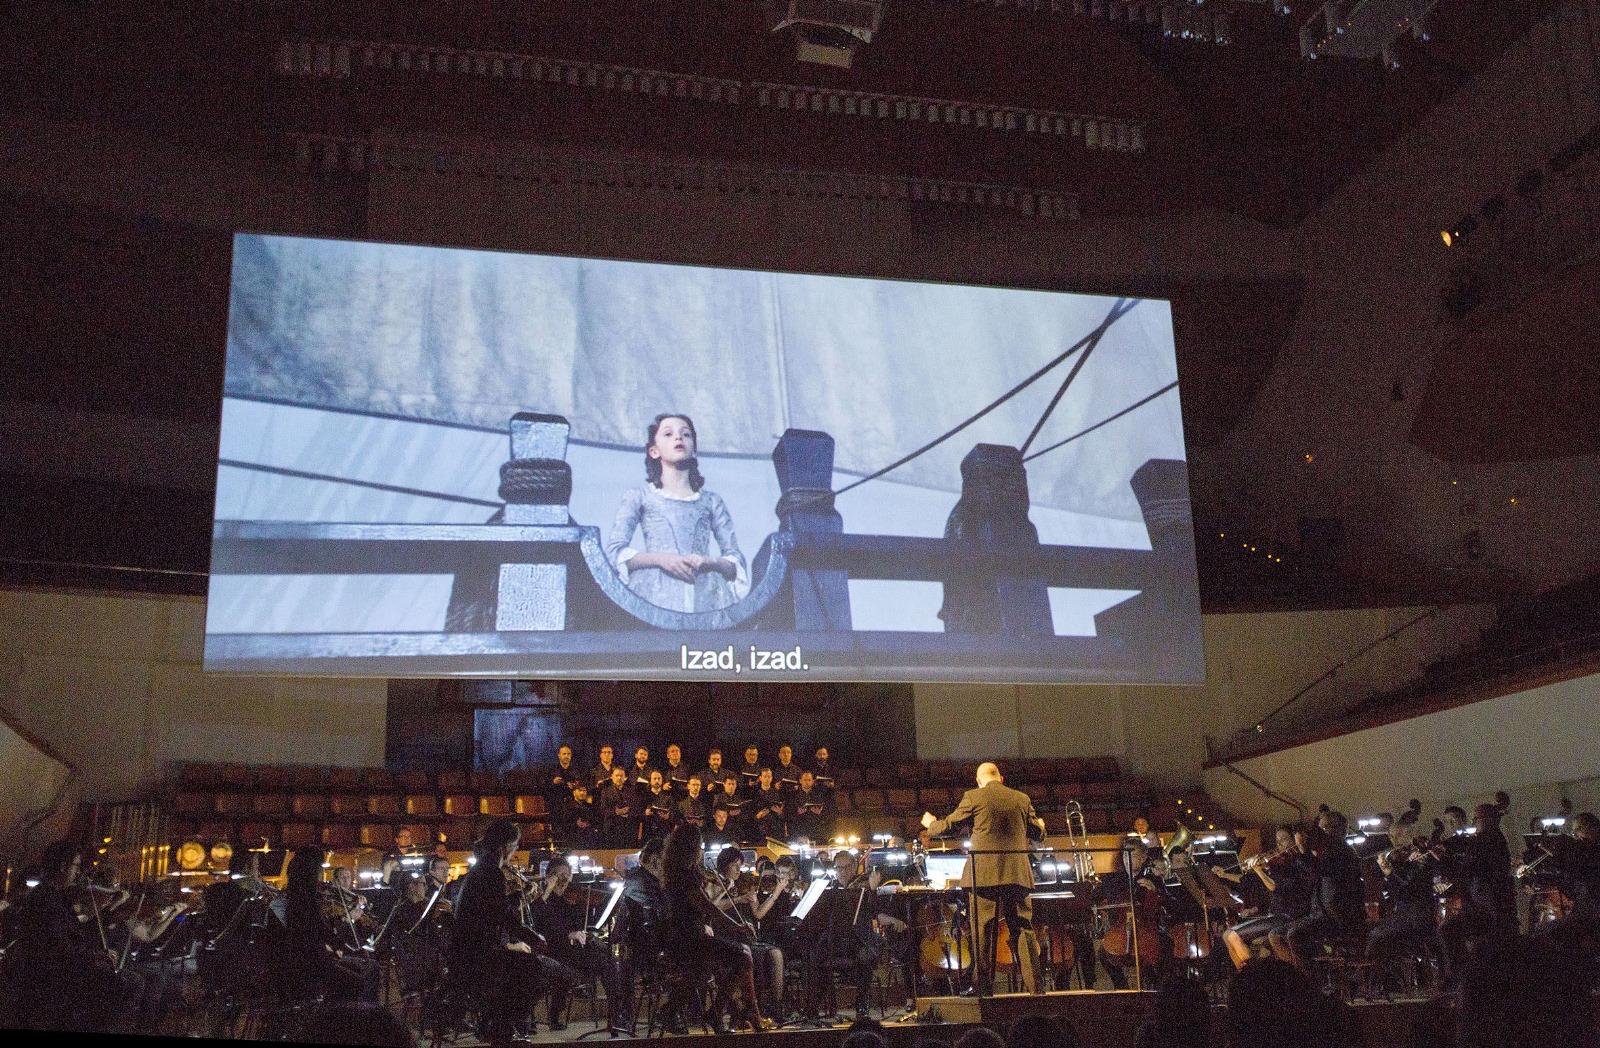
(137, 136)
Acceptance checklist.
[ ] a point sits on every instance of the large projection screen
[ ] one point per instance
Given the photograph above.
(433, 462)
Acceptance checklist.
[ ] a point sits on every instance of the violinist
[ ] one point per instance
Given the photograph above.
(1411, 924)
(777, 895)
(491, 947)
(676, 773)
(58, 975)
(769, 802)
(691, 805)
(1578, 874)
(561, 921)
(808, 814)
(1338, 902)
(736, 895)
(346, 911)
(620, 811)
(659, 811)
(314, 921)
(1285, 874)
(418, 936)
(855, 940)
(699, 933)
(1134, 881)
(1479, 865)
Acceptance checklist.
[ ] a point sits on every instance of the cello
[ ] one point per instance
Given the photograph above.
(1132, 937)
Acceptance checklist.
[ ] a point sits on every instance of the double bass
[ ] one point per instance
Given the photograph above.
(1133, 934)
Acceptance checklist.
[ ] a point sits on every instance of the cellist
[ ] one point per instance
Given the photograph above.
(1138, 934)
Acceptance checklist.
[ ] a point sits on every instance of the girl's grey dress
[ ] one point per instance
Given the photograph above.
(676, 525)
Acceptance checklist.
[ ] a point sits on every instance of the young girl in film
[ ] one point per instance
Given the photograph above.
(676, 518)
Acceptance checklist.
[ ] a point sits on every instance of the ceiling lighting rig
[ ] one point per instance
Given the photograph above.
(827, 32)
(1365, 29)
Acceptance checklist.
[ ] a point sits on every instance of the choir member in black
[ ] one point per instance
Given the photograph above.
(736, 804)
(491, 949)
(562, 923)
(701, 935)
(770, 808)
(691, 806)
(579, 820)
(711, 774)
(1577, 862)
(314, 921)
(750, 773)
(808, 810)
(1411, 923)
(786, 773)
(639, 773)
(676, 772)
(562, 777)
(1338, 904)
(822, 769)
(720, 833)
(57, 974)
(1478, 865)
(1133, 879)
(620, 810)
(600, 774)
(1284, 873)
(659, 811)
(741, 906)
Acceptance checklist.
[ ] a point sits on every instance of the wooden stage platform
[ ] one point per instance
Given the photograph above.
(1106, 1019)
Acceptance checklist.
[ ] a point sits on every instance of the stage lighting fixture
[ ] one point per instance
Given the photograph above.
(191, 855)
(1448, 238)
(826, 32)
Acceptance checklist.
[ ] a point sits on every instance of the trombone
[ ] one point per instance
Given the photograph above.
(1078, 843)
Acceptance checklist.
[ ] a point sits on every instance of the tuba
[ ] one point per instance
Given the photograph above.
(1180, 840)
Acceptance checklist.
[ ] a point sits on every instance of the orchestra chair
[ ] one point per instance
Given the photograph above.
(1344, 968)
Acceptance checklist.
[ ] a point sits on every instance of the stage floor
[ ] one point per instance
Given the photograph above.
(1107, 1019)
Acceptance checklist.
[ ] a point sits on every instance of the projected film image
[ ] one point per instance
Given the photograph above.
(447, 462)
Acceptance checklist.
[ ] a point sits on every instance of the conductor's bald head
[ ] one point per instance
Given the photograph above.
(988, 772)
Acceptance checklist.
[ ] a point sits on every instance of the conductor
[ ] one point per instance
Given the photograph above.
(1003, 823)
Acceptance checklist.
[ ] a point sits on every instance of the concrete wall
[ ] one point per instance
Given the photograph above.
(1539, 745)
(114, 686)
(1253, 662)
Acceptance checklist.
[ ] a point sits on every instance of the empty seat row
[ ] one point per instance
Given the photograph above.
(322, 806)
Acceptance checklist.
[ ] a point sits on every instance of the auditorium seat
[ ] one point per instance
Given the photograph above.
(347, 805)
(238, 776)
(272, 777)
(425, 805)
(879, 778)
(452, 782)
(1100, 791)
(868, 802)
(413, 781)
(1101, 769)
(197, 776)
(459, 833)
(310, 805)
(535, 832)
(938, 799)
(338, 835)
(461, 805)
(274, 804)
(1034, 771)
(1067, 791)
(422, 834)
(233, 805)
(530, 804)
(843, 804)
(192, 804)
(375, 779)
(180, 829)
(1068, 769)
(910, 773)
(383, 805)
(347, 779)
(903, 801)
(944, 773)
(1039, 794)
(520, 779)
(214, 830)
(1055, 823)
(494, 805)
(850, 779)
(299, 835)
(377, 835)
(251, 834)
(306, 778)
(484, 782)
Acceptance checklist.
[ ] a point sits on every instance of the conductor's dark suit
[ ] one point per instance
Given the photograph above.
(1003, 820)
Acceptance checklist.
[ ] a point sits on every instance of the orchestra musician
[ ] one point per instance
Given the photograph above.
(736, 896)
(492, 948)
(1412, 922)
(58, 974)
(418, 935)
(855, 941)
(316, 919)
(1003, 821)
(1578, 874)
(701, 935)
(1338, 900)
(562, 923)
(676, 773)
(691, 806)
(645, 909)
(600, 774)
(1478, 866)
(1285, 874)
(1135, 881)
(620, 811)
